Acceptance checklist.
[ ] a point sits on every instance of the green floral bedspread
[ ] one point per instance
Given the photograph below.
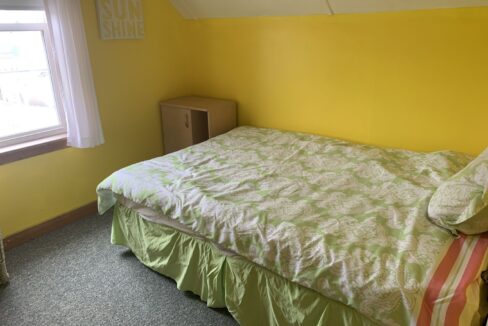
(346, 220)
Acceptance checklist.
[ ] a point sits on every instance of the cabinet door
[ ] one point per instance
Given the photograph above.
(177, 129)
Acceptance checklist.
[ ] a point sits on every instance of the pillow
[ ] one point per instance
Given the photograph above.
(461, 202)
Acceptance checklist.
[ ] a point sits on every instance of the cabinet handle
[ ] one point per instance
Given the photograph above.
(187, 123)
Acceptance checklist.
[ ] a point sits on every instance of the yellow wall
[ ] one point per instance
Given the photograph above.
(416, 80)
(131, 77)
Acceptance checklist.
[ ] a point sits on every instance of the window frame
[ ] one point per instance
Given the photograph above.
(48, 132)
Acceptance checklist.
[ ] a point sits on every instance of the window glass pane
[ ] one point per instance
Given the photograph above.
(22, 16)
(26, 90)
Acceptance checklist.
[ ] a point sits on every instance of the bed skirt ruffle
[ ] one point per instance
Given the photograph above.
(251, 293)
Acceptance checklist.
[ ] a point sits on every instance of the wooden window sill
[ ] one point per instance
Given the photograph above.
(33, 148)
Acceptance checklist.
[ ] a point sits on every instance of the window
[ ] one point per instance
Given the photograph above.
(47, 94)
(30, 106)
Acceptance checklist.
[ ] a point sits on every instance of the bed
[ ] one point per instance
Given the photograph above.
(286, 228)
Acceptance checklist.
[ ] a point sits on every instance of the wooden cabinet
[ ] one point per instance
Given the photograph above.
(192, 120)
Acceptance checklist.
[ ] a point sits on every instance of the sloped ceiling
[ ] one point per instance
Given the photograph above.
(201, 9)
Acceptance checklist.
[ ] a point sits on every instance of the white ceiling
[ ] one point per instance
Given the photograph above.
(245, 8)
(201, 9)
(358, 6)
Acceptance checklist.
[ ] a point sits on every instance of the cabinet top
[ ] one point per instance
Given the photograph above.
(199, 103)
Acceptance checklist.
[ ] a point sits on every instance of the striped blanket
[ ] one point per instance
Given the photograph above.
(452, 295)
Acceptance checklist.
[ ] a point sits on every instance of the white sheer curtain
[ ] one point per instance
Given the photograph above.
(78, 92)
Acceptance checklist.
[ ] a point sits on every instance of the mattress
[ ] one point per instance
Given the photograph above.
(151, 215)
(347, 221)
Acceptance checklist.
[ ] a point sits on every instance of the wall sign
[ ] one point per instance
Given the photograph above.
(120, 19)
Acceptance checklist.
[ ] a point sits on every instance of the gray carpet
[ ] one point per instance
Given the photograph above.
(74, 276)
